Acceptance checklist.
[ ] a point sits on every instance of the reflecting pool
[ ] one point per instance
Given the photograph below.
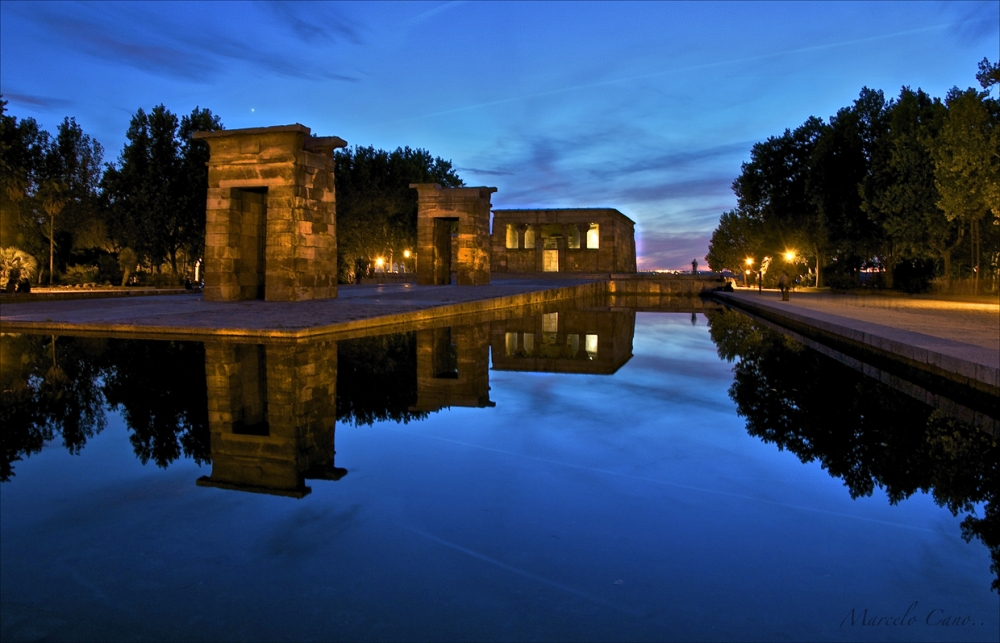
(575, 474)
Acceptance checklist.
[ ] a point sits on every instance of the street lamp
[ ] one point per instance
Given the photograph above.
(789, 256)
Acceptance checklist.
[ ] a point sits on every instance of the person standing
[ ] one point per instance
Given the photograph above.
(783, 286)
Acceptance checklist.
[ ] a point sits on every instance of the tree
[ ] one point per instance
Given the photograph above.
(838, 166)
(23, 148)
(966, 163)
(53, 196)
(376, 208)
(193, 179)
(773, 190)
(736, 239)
(155, 195)
(898, 194)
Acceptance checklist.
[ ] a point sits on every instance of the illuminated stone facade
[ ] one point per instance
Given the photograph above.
(272, 411)
(582, 240)
(270, 230)
(453, 234)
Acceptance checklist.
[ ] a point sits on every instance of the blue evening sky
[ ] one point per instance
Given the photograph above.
(649, 108)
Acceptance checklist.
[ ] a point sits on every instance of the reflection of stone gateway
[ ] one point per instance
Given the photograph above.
(453, 368)
(270, 229)
(272, 411)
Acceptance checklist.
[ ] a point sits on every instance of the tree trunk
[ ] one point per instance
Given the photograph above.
(946, 256)
(889, 266)
(976, 256)
(52, 244)
(819, 274)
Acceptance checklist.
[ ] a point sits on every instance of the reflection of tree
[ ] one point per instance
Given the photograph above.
(61, 386)
(50, 387)
(859, 429)
(377, 379)
(160, 389)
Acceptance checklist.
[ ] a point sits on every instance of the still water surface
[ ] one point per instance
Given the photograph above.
(486, 486)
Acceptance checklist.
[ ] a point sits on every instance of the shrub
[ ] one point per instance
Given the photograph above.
(80, 274)
(11, 258)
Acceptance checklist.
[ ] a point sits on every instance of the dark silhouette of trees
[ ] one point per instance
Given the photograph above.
(63, 387)
(159, 387)
(377, 379)
(155, 195)
(860, 430)
(895, 186)
(376, 208)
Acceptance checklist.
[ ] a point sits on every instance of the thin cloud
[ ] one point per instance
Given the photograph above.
(674, 70)
(161, 47)
(430, 13)
(309, 22)
(674, 161)
(701, 187)
(31, 100)
(472, 170)
(974, 21)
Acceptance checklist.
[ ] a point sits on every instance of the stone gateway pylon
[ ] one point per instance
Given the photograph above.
(270, 222)
(453, 234)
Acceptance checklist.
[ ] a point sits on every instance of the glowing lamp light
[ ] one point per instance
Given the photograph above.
(406, 254)
(749, 261)
(790, 256)
(380, 262)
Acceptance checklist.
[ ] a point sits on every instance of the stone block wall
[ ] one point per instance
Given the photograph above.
(554, 228)
(286, 177)
(468, 255)
(272, 412)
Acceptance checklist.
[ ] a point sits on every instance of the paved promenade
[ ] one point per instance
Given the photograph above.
(356, 307)
(950, 336)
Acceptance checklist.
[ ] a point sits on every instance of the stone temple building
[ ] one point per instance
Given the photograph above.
(580, 240)
(270, 221)
(453, 235)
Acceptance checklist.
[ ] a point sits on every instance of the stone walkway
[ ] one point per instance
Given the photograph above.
(365, 305)
(956, 336)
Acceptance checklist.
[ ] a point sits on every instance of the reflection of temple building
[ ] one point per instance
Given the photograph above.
(575, 341)
(453, 368)
(272, 411)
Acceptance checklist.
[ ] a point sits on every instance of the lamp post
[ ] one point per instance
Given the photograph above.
(746, 273)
